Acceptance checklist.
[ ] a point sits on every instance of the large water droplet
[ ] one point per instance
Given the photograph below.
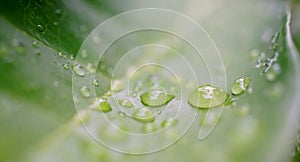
(156, 97)
(240, 85)
(207, 96)
(126, 103)
(143, 115)
(78, 69)
(85, 91)
(117, 85)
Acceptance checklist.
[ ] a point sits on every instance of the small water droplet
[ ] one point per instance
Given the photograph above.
(40, 28)
(117, 86)
(104, 106)
(207, 96)
(95, 82)
(240, 85)
(108, 93)
(72, 57)
(171, 121)
(156, 97)
(274, 42)
(61, 54)
(66, 66)
(143, 115)
(78, 69)
(35, 44)
(126, 103)
(85, 91)
(149, 128)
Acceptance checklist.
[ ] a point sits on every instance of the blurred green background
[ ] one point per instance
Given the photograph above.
(39, 41)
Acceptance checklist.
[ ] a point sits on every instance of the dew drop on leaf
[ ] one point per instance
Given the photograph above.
(66, 66)
(78, 69)
(40, 28)
(240, 85)
(85, 91)
(143, 115)
(104, 106)
(207, 96)
(156, 97)
(61, 54)
(95, 82)
(35, 44)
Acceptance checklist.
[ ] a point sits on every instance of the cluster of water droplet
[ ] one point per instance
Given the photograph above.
(270, 66)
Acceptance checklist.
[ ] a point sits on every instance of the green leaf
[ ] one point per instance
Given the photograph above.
(38, 43)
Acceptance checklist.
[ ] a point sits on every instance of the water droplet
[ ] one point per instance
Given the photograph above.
(117, 86)
(95, 82)
(61, 54)
(108, 93)
(35, 44)
(66, 66)
(126, 103)
(40, 28)
(85, 91)
(274, 42)
(171, 121)
(104, 106)
(240, 85)
(78, 69)
(149, 128)
(156, 97)
(143, 115)
(207, 96)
